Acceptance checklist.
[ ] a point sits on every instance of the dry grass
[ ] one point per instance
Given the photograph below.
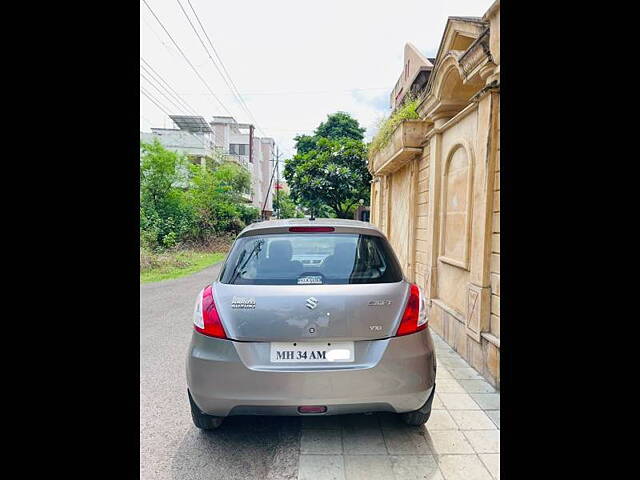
(178, 262)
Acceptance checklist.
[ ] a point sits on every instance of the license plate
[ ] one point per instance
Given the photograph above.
(311, 352)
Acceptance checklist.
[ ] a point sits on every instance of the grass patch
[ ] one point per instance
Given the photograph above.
(155, 267)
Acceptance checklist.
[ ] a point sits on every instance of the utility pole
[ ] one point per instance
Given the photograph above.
(278, 179)
(266, 197)
(251, 143)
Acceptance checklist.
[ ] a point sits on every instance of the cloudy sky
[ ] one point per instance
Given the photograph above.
(292, 61)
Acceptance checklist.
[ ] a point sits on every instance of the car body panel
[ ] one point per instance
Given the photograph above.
(230, 378)
(343, 312)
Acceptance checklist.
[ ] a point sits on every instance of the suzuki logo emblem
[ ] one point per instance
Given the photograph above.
(312, 303)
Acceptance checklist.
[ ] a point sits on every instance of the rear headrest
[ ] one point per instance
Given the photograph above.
(344, 250)
(280, 250)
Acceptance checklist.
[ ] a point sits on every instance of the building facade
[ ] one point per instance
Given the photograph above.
(197, 146)
(203, 141)
(256, 154)
(436, 186)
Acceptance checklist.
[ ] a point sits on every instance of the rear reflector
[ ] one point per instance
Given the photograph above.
(310, 229)
(312, 409)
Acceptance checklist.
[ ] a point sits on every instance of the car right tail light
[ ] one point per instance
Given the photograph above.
(205, 315)
(414, 318)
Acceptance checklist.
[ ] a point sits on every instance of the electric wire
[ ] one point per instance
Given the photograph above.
(159, 78)
(195, 70)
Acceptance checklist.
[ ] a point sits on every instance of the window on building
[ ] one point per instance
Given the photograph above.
(239, 149)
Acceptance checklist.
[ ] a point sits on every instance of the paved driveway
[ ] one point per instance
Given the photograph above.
(461, 439)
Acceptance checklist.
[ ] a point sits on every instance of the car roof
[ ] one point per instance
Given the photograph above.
(341, 225)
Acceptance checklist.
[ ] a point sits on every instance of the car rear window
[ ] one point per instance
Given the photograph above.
(311, 259)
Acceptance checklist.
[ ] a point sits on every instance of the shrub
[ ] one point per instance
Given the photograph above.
(182, 203)
(408, 111)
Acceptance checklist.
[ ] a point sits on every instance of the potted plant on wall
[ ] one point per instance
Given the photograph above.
(398, 138)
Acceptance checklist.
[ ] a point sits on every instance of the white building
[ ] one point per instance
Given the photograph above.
(199, 140)
(254, 153)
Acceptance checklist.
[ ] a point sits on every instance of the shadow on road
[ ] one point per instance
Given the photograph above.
(267, 448)
(243, 447)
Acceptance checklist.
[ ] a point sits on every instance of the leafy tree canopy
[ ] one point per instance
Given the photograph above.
(340, 125)
(334, 174)
(305, 143)
(181, 202)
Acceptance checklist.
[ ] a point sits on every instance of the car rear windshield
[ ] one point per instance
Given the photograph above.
(311, 259)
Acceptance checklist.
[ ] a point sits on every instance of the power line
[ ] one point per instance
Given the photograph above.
(184, 104)
(167, 87)
(171, 52)
(161, 93)
(191, 64)
(186, 58)
(230, 83)
(151, 98)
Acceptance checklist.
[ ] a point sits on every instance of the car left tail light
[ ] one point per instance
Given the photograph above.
(414, 318)
(205, 315)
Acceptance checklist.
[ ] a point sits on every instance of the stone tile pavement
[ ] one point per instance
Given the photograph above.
(461, 440)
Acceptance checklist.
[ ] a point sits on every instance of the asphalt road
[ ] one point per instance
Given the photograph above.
(170, 446)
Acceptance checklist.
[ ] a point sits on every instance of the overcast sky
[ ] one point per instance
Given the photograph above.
(293, 61)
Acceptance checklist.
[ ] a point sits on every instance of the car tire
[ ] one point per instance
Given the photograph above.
(420, 416)
(202, 420)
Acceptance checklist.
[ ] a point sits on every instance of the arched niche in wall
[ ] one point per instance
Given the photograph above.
(455, 218)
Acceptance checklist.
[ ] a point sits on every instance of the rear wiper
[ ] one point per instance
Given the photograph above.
(239, 270)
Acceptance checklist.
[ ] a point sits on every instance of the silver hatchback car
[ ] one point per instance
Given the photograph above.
(310, 317)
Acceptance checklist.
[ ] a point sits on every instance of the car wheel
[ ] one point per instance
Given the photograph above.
(202, 420)
(420, 416)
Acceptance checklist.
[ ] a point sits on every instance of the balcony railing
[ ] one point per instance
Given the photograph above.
(404, 145)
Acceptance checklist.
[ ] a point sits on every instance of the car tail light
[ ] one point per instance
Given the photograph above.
(415, 313)
(311, 229)
(205, 315)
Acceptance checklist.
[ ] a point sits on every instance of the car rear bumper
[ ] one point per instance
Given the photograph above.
(394, 375)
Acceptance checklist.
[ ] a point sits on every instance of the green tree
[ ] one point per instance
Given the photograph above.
(182, 202)
(161, 170)
(334, 174)
(217, 199)
(165, 215)
(305, 143)
(340, 125)
(234, 179)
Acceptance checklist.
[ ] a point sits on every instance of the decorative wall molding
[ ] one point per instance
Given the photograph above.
(478, 310)
(463, 260)
(476, 56)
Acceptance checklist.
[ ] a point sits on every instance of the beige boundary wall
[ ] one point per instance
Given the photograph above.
(437, 195)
